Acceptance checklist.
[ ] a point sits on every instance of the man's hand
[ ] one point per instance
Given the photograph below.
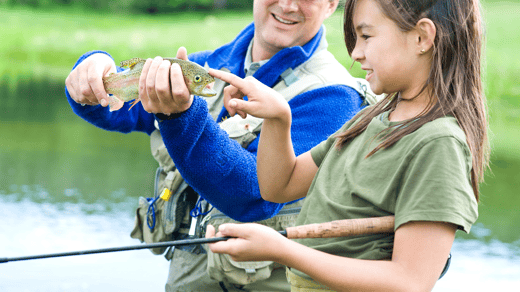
(85, 82)
(162, 88)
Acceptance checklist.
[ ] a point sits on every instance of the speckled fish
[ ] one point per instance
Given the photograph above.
(125, 85)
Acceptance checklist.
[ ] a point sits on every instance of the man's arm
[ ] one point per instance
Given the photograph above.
(224, 173)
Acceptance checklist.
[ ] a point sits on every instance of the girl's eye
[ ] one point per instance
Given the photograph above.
(365, 37)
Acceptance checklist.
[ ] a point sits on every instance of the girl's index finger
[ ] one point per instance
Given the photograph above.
(228, 77)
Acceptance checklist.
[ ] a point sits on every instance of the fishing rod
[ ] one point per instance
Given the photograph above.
(338, 228)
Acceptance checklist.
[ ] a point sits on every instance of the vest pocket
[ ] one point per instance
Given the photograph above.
(221, 266)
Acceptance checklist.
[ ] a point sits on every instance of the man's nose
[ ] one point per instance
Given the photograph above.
(288, 5)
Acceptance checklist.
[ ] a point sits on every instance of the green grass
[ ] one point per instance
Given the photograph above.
(502, 72)
(49, 43)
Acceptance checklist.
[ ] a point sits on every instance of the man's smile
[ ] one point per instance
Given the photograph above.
(284, 21)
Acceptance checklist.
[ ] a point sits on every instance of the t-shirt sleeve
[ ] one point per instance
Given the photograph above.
(437, 186)
(319, 151)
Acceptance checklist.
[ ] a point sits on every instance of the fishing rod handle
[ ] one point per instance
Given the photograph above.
(341, 228)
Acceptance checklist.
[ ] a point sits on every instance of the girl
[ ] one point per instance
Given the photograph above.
(420, 153)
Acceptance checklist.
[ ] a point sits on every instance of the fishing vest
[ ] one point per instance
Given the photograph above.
(320, 70)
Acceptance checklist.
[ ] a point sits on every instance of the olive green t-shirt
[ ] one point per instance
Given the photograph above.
(425, 176)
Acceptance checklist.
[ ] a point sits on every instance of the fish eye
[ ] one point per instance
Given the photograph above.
(198, 78)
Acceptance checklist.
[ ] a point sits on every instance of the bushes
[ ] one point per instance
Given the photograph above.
(137, 6)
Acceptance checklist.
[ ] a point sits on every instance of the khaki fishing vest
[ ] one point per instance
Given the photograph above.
(320, 70)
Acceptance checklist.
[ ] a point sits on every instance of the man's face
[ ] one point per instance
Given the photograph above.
(286, 23)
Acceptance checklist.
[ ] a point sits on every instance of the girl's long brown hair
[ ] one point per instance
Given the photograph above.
(454, 79)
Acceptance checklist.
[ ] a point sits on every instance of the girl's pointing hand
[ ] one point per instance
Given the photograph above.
(262, 101)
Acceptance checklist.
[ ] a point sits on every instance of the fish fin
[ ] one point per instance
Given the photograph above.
(114, 103)
(136, 101)
(131, 62)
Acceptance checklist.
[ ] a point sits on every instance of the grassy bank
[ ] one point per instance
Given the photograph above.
(49, 43)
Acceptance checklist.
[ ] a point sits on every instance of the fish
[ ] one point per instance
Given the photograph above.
(124, 86)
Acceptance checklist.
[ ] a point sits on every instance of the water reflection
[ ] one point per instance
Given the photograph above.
(30, 228)
(478, 266)
(66, 185)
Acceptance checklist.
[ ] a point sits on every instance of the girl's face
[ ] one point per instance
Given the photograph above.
(388, 55)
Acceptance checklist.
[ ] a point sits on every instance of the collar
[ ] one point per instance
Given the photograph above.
(251, 67)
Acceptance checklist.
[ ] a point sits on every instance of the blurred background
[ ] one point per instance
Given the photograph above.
(66, 185)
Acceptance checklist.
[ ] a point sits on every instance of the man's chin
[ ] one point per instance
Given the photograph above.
(282, 41)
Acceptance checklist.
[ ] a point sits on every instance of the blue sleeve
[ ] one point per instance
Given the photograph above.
(224, 173)
(200, 57)
(123, 120)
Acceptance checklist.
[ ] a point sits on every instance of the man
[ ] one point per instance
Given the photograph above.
(284, 48)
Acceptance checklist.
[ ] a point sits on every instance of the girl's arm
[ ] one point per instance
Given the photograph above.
(282, 176)
(420, 253)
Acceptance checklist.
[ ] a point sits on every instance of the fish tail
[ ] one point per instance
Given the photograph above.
(114, 103)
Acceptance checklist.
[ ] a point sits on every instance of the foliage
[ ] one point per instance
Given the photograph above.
(137, 6)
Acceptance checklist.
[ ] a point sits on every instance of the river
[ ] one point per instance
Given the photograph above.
(68, 186)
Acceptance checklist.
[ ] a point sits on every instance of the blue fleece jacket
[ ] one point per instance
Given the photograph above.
(214, 165)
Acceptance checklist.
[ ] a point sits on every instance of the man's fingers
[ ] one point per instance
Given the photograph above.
(179, 87)
(182, 53)
(70, 86)
(151, 78)
(142, 81)
(96, 84)
(84, 91)
(162, 81)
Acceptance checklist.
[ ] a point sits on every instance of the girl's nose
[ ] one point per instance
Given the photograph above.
(357, 54)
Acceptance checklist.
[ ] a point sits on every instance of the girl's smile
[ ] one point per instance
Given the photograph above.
(369, 73)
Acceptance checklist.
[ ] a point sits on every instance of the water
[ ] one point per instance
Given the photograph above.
(67, 186)
(37, 228)
(31, 228)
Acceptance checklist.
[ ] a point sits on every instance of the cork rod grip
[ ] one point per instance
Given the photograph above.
(341, 228)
